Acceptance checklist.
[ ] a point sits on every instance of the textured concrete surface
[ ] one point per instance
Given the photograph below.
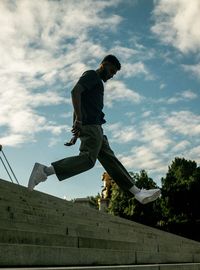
(121, 267)
(37, 229)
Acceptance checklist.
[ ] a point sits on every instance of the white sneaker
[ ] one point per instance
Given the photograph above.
(146, 196)
(38, 175)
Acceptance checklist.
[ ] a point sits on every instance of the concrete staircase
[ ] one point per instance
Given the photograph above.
(39, 230)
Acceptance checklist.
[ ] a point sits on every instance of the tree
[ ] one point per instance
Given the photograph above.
(181, 191)
(181, 197)
(123, 204)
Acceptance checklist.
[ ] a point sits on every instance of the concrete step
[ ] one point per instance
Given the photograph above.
(8, 213)
(37, 229)
(94, 235)
(85, 231)
(32, 200)
(76, 213)
(70, 231)
(20, 214)
(185, 266)
(40, 200)
(36, 205)
(13, 236)
(71, 214)
(50, 216)
(70, 211)
(8, 236)
(81, 213)
(29, 255)
(24, 237)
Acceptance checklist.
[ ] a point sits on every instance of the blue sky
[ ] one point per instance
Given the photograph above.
(151, 105)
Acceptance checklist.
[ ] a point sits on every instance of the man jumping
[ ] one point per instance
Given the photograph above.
(87, 100)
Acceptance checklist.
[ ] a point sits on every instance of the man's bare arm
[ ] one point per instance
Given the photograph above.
(76, 101)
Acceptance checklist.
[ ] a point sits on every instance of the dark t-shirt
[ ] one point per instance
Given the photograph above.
(92, 98)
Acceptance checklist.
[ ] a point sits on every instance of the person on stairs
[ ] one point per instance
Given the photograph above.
(88, 101)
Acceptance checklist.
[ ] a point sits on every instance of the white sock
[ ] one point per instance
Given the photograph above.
(49, 170)
(134, 189)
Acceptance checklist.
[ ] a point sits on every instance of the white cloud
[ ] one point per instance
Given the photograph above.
(193, 69)
(193, 154)
(41, 57)
(13, 139)
(140, 52)
(186, 95)
(184, 122)
(146, 113)
(136, 69)
(143, 158)
(130, 114)
(124, 52)
(46, 99)
(181, 146)
(117, 91)
(67, 115)
(158, 139)
(133, 60)
(122, 134)
(156, 135)
(55, 129)
(18, 114)
(152, 139)
(177, 23)
(189, 94)
(150, 133)
(162, 86)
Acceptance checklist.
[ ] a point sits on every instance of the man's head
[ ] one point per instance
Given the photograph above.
(109, 67)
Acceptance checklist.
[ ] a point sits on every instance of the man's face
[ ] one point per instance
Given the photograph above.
(109, 70)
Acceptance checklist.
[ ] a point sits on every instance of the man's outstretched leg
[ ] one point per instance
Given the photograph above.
(63, 169)
(91, 140)
(120, 175)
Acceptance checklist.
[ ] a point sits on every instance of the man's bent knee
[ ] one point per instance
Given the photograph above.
(90, 160)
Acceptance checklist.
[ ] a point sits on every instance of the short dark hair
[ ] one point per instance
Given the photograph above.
(113, 60)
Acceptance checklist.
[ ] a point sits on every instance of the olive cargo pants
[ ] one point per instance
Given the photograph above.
(94, 145)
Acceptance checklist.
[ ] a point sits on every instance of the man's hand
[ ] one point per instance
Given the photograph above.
(72, 141)
(76, 128)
